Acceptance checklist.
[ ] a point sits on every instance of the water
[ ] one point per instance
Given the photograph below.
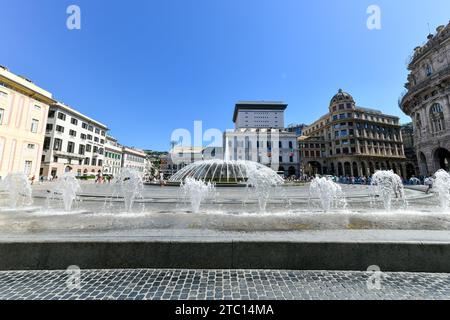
(328, 192)
(67, 186)
(441, 185)
(260, 180)
(196, 191)
(388, 184)
(18, 190)
(130, 185)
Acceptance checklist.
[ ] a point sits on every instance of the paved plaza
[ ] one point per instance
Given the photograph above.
(158, 284)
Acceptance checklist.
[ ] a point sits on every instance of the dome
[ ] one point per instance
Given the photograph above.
(235, 172)
(341, 97)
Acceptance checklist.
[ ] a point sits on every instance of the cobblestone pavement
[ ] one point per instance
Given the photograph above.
(220, 284)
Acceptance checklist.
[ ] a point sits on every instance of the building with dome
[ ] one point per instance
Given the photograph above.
(427, 101)
(352, 141)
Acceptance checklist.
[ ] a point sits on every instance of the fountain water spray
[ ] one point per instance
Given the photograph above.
(328, 192)
(388, 184)
(130, 186)
(18, 189)
(259, 179)
(263, 181)
(441, 185)
(67, 186)
(196, 191)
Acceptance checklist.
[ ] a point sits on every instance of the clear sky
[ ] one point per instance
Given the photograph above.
(147, 67)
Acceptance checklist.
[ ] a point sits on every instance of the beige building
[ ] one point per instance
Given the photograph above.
(113, 156)
(73, 142)
(133, 158)
(427, 101)
(23, 118)
(352, 141)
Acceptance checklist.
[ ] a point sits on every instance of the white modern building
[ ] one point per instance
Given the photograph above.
(260, 136)
(133, 158)
(73, 143)
(259, 114)
(113, 156)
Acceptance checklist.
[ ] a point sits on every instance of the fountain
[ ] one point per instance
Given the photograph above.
(67, 186)
(196, 191)
(259, 179)
(130, 186)
(328, 192)
(18, 189)
(441, 185)
(387, 184)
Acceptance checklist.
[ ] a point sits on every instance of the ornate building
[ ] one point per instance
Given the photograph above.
(427, 101)
(352, 141)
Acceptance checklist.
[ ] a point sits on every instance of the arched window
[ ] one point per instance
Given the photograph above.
(437, 118)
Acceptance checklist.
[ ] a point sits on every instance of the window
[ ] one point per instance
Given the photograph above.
(97, 130)
(428, 70)
(437, 118)
(27, 167)
(51, 114)
(83, 136)
(84, 125)
(71, 147)
(3, 94)
(90, 128)
(49, 127)
(72, 133)
(2, 114)
(88, 148)
(47, 142)
(34, 125)
(36, 107)
(60, 129)
(86, 161)
(61, 116)
(74, 121)
(96, 139)
(31, 146)
(89, 137)
(57, 144)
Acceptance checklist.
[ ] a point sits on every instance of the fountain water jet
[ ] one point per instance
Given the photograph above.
(388, 184)
(67, 185)
(259, 179)
(131, 185)
(441, 185)
(196, 191)
(328, 192)
(18, 189)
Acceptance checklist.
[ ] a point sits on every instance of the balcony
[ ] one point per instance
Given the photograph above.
(68, 155)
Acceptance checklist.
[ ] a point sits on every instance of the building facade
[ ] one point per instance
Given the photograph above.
(412, 167)
(427, 101)
(23, 118)
(113, 156)
(352, 141)
(260, 136)
(73, 143)
(133, 158)
(259, 114)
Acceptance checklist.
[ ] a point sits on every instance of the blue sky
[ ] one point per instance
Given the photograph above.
(147, 67)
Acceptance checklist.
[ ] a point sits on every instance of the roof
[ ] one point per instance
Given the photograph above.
(25, 85)
(65, 107)
(258, 105)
